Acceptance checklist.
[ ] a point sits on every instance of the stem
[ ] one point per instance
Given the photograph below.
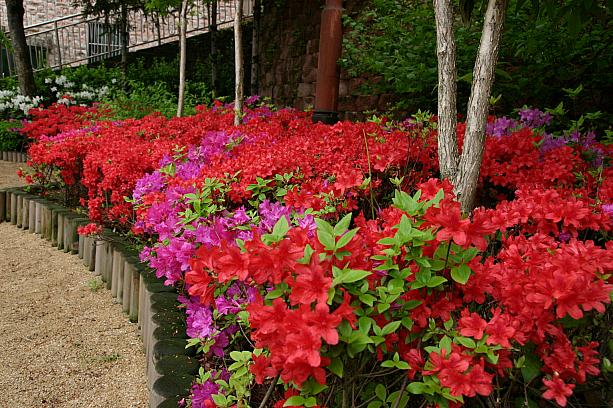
(402, 388)
(269, 391)
(372, 204)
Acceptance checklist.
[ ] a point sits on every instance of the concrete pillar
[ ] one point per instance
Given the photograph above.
(100, 258)
(2, 205)
(13, 208)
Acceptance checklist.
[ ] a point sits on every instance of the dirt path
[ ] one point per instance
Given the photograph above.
(63, 341)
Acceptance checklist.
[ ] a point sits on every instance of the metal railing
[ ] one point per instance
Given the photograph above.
(76, 39)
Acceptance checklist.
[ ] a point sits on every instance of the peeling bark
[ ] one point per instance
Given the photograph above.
(447, 89)
(183, 56)
(463, 171)
(483, 77)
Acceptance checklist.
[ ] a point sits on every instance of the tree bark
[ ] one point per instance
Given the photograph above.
(238, 64)
(23, 64)
(467, 177)
(213, 30)
(183, 55)
(255, 48)
(448, 155)
(124, 38)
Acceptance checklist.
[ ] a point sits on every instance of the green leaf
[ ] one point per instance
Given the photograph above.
(461, 273)
(308, 252)
(382, 307)
(436, 281)
(219, 399)
(295, 400)
(345, 239)
(389, 241)
(310, 402)
(336, 366)
(445, 343)
(352, 275)
(531, 368)
(235, 355)
(324, 226)
(381, 392)
(280, 228)
(342, 225)
(388, 364)
(390, 328)
(418, 388)
(367, 299)
(466, 342)
(326, 239)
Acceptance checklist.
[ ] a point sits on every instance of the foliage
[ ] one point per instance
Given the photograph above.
(10, 138)
(539, 55)
(141, 100)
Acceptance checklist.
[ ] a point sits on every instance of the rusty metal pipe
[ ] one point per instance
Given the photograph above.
(328, 72)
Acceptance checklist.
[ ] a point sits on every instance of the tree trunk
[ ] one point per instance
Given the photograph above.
(23, 64)
(448, 155)
(213, 30)
(238, 64)
(467, 176)
(183, 55)
(123, 26)
(255, 48)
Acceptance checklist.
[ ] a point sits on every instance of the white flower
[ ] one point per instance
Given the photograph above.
(53, 89)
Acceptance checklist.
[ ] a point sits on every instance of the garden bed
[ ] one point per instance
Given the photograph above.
(300, 249)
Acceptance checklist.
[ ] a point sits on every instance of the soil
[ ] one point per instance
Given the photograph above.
(64, 342)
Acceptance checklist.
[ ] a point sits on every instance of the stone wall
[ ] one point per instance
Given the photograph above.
(289, 46)
(37, 11)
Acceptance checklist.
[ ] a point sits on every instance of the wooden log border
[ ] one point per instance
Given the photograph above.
(170, 368)
(15, 157)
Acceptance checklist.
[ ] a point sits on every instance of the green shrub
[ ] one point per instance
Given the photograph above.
(140, 100)
(542, 52)
(10, 139)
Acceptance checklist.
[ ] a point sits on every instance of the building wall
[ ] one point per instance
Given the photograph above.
(38, 11)
(60, 40)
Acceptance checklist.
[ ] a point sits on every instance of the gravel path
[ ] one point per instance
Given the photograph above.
(63, 341)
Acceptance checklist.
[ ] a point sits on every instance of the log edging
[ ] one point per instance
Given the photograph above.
(146, 301)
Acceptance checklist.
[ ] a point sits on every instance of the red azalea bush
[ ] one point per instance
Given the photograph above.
(101, 161)
(391, 291)
(58, 118)
(414, 300)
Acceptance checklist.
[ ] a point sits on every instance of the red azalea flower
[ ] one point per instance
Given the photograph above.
(557, 390)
